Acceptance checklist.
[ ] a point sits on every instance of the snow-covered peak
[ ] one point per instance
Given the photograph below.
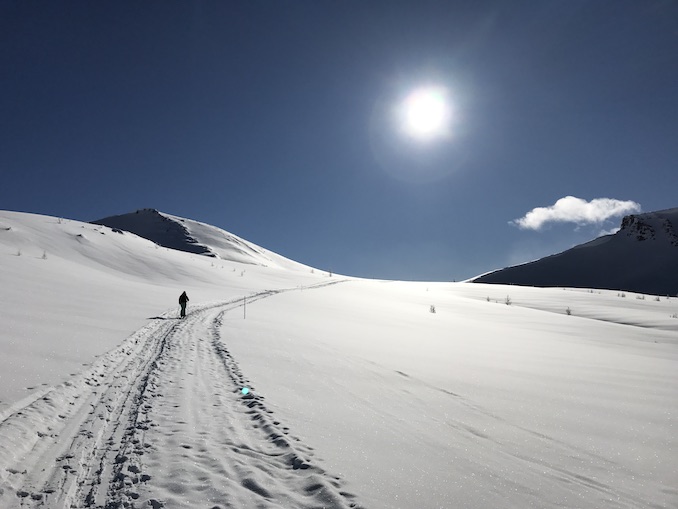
(660, 226)
(183, 234)
(641, 257)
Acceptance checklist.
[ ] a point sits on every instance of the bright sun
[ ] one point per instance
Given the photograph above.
(425, 113)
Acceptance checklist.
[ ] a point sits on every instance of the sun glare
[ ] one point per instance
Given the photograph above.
(425, 113)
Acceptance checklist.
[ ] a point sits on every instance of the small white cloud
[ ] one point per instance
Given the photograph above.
(575, 210)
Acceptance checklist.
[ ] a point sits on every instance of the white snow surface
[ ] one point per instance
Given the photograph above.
(288, 388)
(197, 237)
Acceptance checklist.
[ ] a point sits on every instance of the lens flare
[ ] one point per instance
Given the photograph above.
(425, 113)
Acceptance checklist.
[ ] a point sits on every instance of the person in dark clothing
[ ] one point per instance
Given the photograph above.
(183, 300)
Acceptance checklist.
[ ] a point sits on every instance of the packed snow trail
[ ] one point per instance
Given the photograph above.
(161, 421)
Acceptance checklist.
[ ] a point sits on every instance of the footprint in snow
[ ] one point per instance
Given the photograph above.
(254, 486)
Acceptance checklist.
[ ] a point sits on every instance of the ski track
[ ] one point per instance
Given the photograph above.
(161, 421)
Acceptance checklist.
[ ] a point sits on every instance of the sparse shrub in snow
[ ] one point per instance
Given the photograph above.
(621, 294)
(432, 309)
(568, 311)
(18, 252)
(44, 255)
(507, 301)
(487, 298)
(674, 315)
(640, 297)
(657, 298)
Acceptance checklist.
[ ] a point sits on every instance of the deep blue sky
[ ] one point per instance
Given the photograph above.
(271, 119)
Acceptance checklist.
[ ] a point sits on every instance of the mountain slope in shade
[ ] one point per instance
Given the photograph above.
(195, 237)
(641, 257)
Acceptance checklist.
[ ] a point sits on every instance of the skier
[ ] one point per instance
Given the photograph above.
(183, 300)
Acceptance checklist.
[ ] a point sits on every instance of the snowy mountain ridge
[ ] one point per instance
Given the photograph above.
(641, 257)
(195, 237)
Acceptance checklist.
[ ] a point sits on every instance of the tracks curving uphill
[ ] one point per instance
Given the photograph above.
(161, 421)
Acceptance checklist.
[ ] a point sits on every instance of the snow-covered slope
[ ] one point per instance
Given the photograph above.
(641, 257)
(195, 237)
(287, 388)
(71, 290)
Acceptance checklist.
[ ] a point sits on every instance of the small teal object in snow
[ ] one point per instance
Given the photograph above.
(245, 390)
